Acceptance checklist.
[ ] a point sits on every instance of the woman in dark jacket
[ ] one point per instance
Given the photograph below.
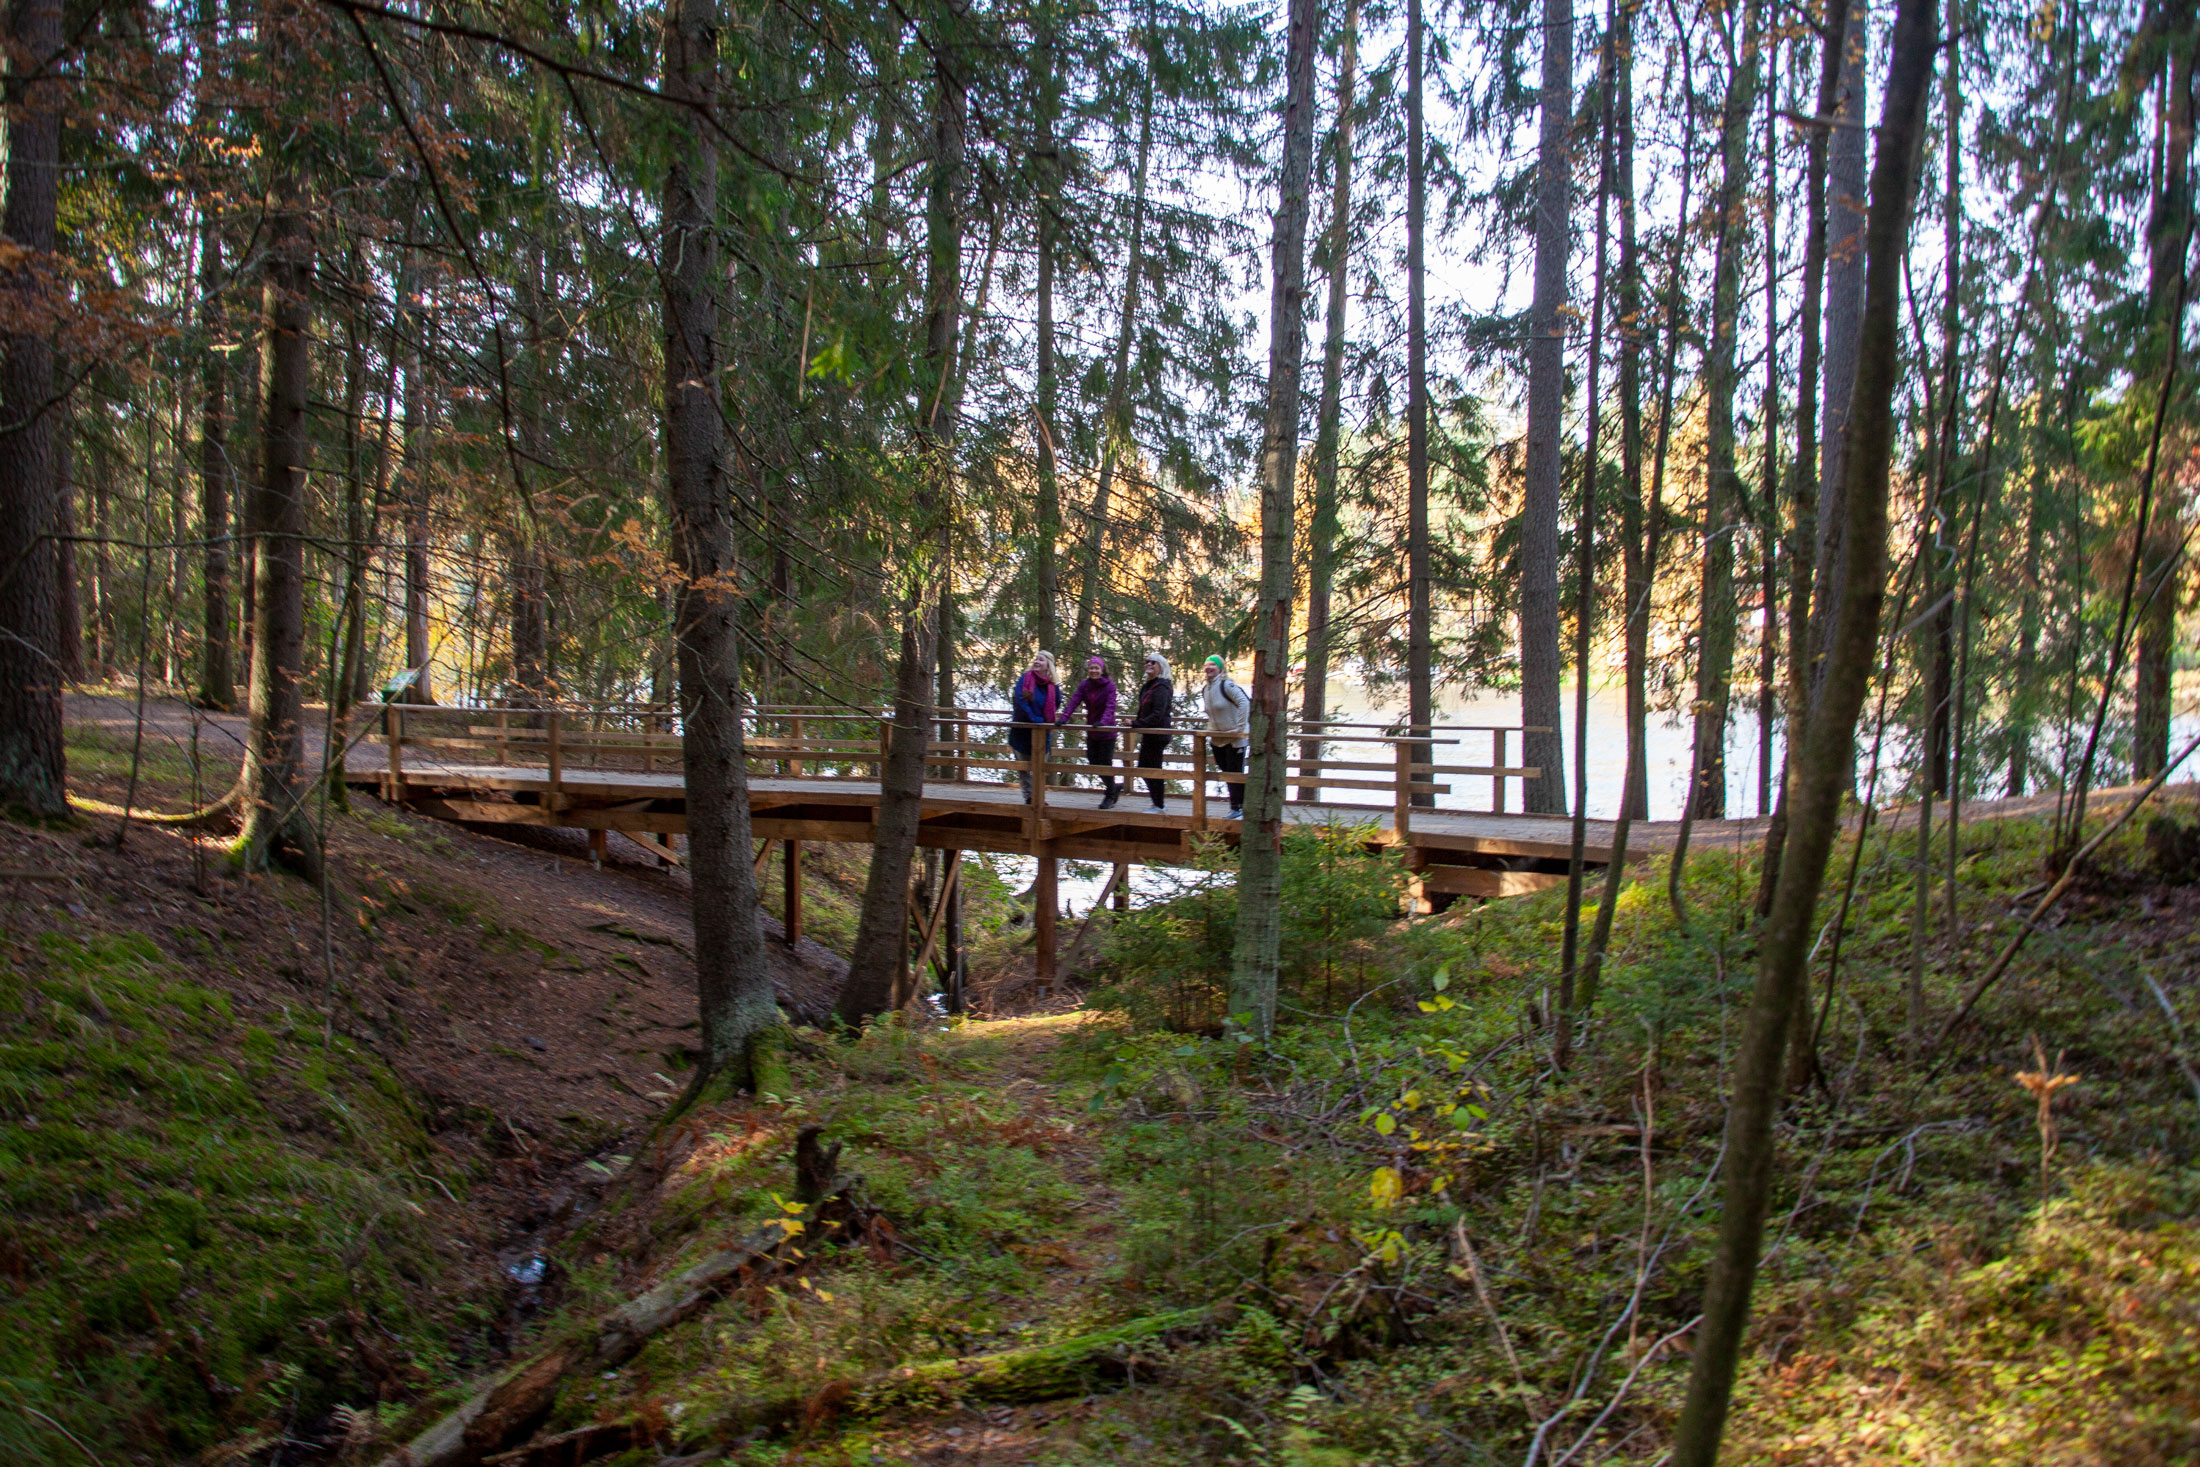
(1156, 713)
(1037, 698)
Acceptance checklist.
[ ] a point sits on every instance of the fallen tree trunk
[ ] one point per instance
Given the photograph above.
(510, 1406)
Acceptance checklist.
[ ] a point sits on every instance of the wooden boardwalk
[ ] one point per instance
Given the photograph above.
(813, 777)
(814, 781)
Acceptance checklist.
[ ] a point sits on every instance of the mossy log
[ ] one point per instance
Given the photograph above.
(1035, 1373)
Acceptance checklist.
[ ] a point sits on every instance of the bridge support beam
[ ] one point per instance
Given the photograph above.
(1046, 903)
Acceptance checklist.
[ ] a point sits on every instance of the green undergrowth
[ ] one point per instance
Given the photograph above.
(1429, 1245)
(207, 1225)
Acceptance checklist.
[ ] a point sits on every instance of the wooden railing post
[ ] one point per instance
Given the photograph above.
(557, 761)
(1199, 780)
(794, 765)
(393, 734)
(1404, 794)
(962, 748)
(1497, 761)
(1038, 782)
(504, 736)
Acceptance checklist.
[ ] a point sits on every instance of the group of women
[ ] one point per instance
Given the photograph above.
(1039, 707)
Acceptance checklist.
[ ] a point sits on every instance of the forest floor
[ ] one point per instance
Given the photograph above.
(281, 1179)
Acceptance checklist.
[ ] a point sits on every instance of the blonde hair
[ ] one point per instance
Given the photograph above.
(1046, 660)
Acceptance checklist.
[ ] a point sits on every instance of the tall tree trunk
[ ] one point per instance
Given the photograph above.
(1260, 857)
(1801, 546)
(1627, 287)
(2028, 608)
(1540, 663)
(1420, 697)
(1844, 321)
(873, 982)
(419, 687)
(217, 669)
(277, 821)
(528, 575)
(1768, 482)
(1585, 545)
(2156, 648)
(1937, 654)
(33, 767)
(1116, 428)
(1322, 529)
(352, 612)
(740, 1017)
(1825, 759)
(1047, 161)
(1723, 494)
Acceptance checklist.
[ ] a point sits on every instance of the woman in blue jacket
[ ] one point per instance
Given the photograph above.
(1037, 699)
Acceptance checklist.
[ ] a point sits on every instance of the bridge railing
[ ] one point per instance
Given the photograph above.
(1369, 766)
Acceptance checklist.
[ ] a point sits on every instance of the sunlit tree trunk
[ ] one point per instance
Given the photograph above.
(1260, 857)
(277, 821)
(1844, 319)
(1539, 651)
(1723, 494)
(1322, 528)
(1824, 759)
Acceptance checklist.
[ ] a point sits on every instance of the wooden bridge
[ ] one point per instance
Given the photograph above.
(813, 775)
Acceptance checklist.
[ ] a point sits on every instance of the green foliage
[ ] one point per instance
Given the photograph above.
(198, 1225)
(1168, 964)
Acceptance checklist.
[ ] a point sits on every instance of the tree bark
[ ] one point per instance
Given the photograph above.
(33, 765)
(1844, 319)
(527, 572)
(2155, 653)
(1801, 545)
(1723, 493)
(1419, 630)
(419, 687)
(1826, 757)
(740, 1015)
(68, 608)
(1540, 663)
(1260, 857)
(1322, 529)
(1637, 562)
(277, 822)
